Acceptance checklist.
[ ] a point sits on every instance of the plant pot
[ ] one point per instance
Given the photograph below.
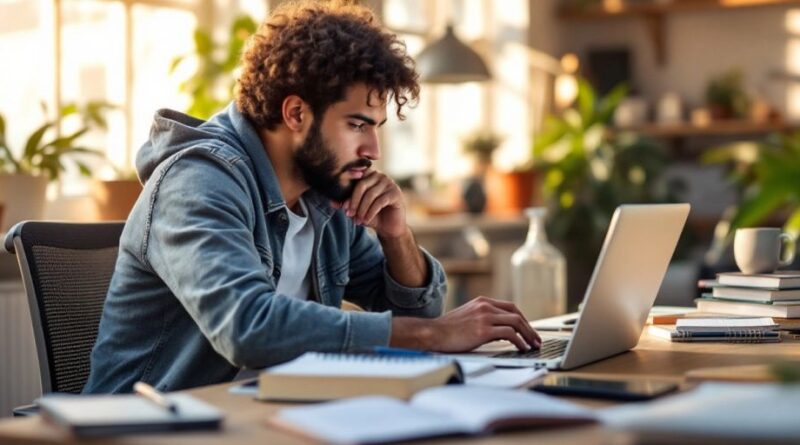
(510, 192)
(474, 195)
(115, 199)
(23, 197)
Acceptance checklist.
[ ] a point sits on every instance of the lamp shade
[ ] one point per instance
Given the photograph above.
(448, 60)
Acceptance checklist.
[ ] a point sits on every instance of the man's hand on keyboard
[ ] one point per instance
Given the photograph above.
(465, 328)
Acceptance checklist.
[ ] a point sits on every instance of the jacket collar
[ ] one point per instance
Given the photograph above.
(265, 172)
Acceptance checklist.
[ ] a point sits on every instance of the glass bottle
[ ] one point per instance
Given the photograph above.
(538, 272)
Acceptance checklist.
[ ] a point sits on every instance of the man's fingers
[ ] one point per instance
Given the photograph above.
(500, 307)
(367, 199)
(377, 205)
(507, 333)
(520, 325)
(370, 179)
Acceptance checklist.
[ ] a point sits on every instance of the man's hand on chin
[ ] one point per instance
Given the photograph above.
(377, 202)
(465, 328)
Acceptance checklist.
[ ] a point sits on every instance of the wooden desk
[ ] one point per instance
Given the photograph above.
(245, 419)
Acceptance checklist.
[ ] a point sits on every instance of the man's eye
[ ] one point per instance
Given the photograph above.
(357, 127)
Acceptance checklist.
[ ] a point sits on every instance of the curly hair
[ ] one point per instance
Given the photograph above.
(316, 50)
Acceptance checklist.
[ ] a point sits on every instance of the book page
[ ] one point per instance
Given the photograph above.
(334, 365)
(367, 420)
(505, 377)
(482, 408)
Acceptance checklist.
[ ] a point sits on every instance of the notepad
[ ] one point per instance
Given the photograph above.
(104, 415)
(316, 376)
(446, 410)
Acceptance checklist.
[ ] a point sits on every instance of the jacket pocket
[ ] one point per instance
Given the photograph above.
(336, 282)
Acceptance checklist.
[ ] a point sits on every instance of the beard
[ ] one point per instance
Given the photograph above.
(316, 163)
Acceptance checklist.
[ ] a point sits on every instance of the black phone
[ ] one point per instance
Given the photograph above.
(632, 390)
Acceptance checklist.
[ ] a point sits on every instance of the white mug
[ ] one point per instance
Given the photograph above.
(758, 249)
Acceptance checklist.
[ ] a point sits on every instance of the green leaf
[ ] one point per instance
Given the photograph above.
(754, 210)
(610, 103)
(175, 62)
(69, 109)
(792, 225)
(586, 102)
(84, 151)
(202, 43)
(32, 145)
(83, 168)
(64, 142)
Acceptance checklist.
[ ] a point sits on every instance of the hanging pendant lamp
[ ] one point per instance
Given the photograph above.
(448, 60)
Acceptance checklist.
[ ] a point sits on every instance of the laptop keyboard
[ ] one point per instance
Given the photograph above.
(551, 348)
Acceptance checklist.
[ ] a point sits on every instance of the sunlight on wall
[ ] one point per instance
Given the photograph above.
(159, 36)
(510, 94)
(26, 79)
(792, 24)
(93, 69)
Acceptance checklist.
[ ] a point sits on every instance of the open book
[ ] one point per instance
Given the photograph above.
(441, 411)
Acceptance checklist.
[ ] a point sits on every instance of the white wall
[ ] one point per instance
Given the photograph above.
(699, 45)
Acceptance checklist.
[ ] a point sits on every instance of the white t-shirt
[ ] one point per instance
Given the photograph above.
(297, 250)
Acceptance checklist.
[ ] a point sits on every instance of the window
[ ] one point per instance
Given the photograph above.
(429, 142)
(117, 51)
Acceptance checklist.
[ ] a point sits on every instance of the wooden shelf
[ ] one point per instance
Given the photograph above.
(733, 127)
(629, 9)
(653, 14)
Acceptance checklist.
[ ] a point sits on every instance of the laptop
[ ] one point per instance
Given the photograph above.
(633, 261)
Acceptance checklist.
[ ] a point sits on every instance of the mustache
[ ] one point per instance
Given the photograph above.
(358, 163)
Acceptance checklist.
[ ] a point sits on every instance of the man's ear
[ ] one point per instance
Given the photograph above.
(296, 113)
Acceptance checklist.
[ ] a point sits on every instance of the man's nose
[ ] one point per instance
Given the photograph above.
(370, 147)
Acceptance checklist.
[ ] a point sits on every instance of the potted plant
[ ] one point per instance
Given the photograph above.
(587, 171)
(479, 145)
(726, 96)
(211, 84)
(41, 159)
(114, 198)
(765, 173)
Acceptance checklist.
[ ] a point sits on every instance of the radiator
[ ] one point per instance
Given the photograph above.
(19, 369)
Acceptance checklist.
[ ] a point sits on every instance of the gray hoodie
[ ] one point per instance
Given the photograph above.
(192, 300)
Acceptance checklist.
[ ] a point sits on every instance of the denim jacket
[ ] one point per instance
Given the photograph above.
(192, 300)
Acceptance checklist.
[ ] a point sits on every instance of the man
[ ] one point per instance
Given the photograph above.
(252, 227)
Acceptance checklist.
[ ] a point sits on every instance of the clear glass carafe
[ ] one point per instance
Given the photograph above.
(539, 272)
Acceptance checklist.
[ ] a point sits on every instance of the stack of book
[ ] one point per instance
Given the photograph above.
(756, 295)
(739, 330)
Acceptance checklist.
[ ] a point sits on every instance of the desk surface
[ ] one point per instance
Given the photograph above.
(245, 418)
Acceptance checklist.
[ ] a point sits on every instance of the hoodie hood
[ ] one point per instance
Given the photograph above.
(174, 131)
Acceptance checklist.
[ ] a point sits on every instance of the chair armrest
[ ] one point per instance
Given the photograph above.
(26, 410)
(8, 240)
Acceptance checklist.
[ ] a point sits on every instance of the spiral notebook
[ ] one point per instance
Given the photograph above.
(318, 376)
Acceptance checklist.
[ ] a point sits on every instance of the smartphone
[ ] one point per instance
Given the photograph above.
(604, 389)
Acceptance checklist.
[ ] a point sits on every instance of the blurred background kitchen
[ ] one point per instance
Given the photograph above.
(576, 106)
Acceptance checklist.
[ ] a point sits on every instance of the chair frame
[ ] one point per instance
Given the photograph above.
(21, 239)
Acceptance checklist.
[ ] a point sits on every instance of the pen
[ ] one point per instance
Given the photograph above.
(153, 395)
(400, 352)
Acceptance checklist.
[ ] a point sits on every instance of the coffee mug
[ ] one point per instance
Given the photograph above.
(758, 249)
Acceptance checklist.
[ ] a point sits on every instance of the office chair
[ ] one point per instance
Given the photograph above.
(66, 270)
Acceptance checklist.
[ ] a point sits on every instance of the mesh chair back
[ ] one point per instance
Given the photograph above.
(66, 269)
